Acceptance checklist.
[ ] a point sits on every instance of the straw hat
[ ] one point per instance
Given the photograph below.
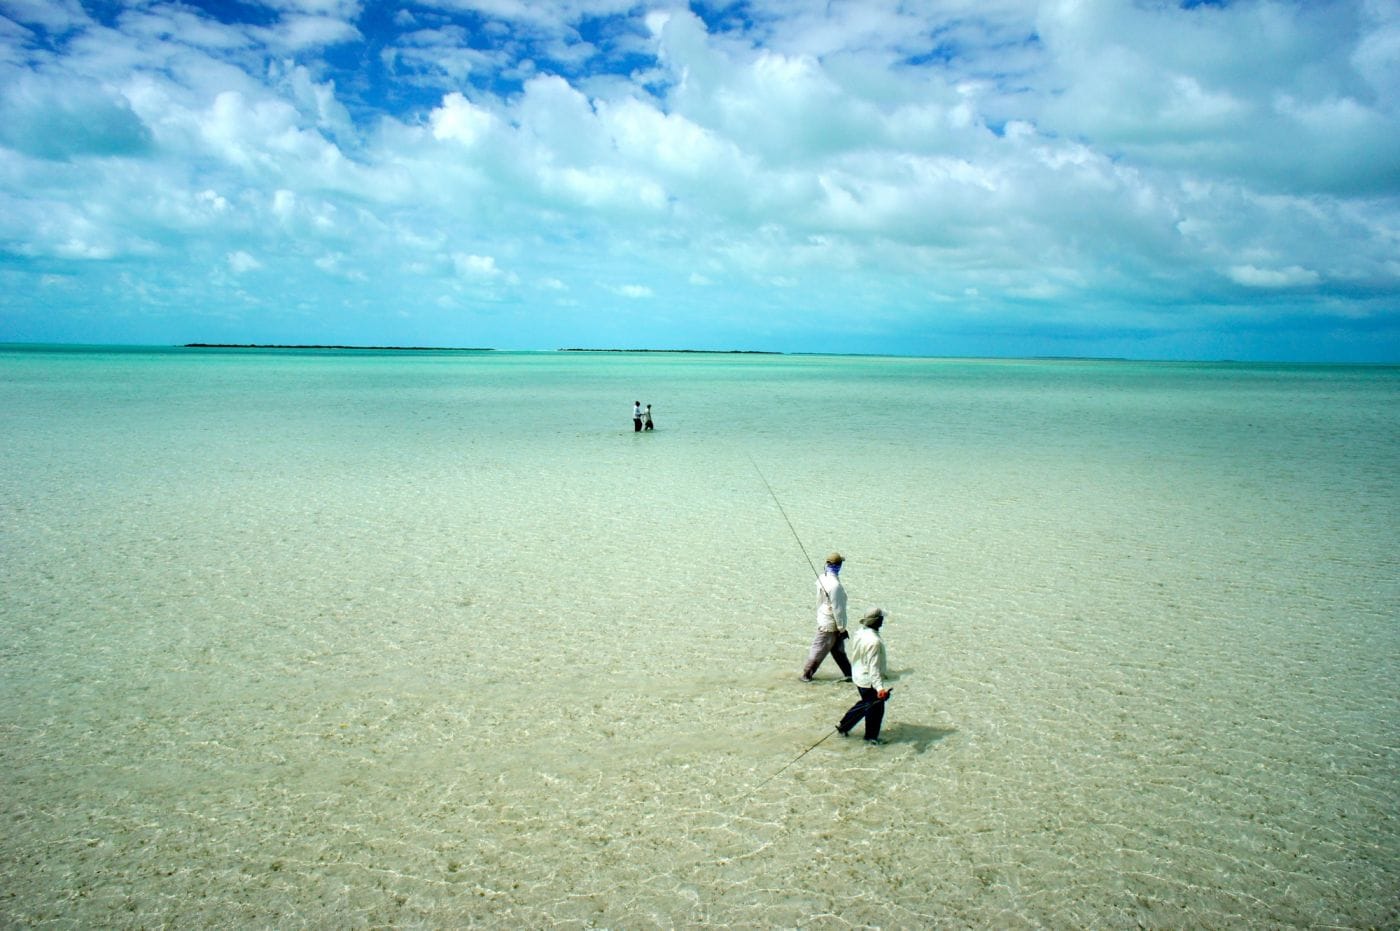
(835, 559)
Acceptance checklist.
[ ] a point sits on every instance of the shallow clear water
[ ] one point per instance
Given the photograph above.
(366, 639)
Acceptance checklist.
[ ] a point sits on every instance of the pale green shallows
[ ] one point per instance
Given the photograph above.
(370, 639)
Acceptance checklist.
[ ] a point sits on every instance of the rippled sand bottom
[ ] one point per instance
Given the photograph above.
(495, 686)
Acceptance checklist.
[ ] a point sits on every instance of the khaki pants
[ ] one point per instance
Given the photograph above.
(827, 641)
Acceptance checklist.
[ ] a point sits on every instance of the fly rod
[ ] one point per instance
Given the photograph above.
(825, 595)
(791, 761)
(799, 756)
(774, 495)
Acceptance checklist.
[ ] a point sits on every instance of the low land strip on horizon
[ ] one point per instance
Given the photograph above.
(755, 352)
(310, 346)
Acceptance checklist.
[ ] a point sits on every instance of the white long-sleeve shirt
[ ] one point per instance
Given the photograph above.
(867, 653)
(831, 603)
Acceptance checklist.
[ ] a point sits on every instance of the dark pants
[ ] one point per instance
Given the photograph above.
(636, 425)
(869, 707)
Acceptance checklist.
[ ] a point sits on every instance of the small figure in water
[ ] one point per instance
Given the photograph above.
(646, 418)
(831, 621)
(636, 416)
(868, 656)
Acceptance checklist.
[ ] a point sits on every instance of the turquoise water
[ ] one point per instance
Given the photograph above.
(357, 638)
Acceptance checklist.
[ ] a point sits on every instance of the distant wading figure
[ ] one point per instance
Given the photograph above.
(646, 418)
(636, 416)
(868, 655)
(831, 622)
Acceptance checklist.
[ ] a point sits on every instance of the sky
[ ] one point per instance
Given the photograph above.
(1117, 178)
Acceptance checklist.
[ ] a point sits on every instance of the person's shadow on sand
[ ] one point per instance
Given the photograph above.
(920, 736)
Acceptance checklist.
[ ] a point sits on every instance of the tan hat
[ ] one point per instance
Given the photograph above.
(874, 614)
(835, 559)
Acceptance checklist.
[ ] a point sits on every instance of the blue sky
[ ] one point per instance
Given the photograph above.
(970, 177)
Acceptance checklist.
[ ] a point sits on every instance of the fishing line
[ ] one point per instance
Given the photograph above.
(826, 596)
(866, 707)
(791, 761)
(811, 565)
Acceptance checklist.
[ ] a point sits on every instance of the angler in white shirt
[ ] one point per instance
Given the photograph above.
(870, 675)
(831, 622)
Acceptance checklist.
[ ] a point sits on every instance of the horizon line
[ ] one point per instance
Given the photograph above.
(332, 347)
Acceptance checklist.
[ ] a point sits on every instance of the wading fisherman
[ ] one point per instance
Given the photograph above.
(868, 657)
(831, 621)
(636, 416)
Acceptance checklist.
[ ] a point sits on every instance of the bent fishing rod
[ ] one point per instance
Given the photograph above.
(774, 495)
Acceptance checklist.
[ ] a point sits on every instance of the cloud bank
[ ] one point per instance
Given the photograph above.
(1076, 177)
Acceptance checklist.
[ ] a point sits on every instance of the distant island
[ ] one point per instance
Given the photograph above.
(744, 352)
(712, 352)
(373, 348)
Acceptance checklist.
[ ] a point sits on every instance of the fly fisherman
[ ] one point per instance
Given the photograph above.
(831, 622)
(868, 654)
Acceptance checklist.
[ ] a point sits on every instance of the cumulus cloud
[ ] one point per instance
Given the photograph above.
(458, 120)
(1265, 93)
(69, 118)
(1004, 161)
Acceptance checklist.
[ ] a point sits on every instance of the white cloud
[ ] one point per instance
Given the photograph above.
(300, 33)
(335, 9)
(240, 262)
(1291, 277)
(284, 204)
(318, 102)
(183, 27)
(603, 188)
(69, 118)
(475, 266)
(1376, 56)
(216, 202)
(439, 57)
(460, 121)
(800, 158)
(668, 143)
(1265, 93)
(53, 15)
